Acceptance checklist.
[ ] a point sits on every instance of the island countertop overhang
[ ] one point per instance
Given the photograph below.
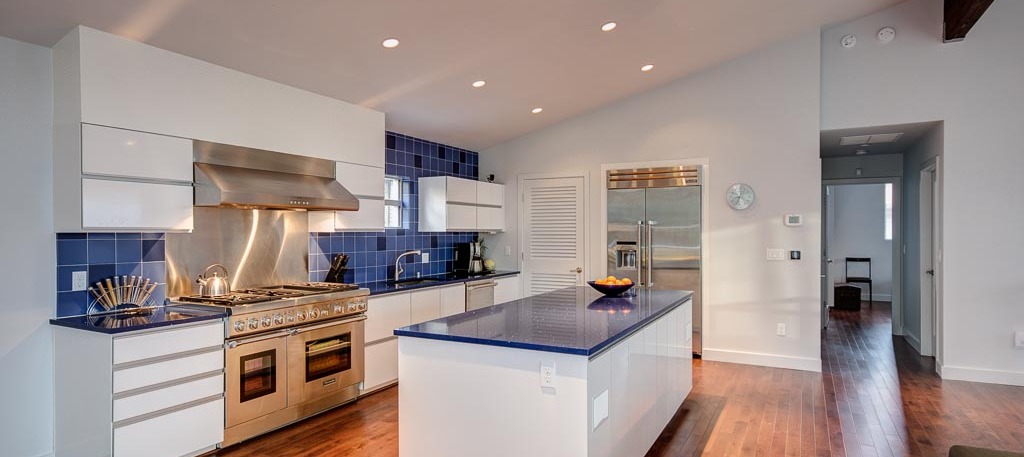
(575, 321)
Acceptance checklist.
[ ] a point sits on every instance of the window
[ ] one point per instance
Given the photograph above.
(888, 212)
(392, 202)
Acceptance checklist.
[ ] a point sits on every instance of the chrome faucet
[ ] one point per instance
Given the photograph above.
(398, 262)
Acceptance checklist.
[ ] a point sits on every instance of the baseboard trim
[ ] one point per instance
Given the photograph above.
(954, 373)
(766, 360)
(914, 341)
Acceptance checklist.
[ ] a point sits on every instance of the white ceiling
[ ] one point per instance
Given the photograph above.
(912, 133)
(532, 53)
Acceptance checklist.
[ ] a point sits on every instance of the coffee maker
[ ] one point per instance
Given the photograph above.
(469, 259)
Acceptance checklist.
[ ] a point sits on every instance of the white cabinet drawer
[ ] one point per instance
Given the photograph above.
(118, 152)
(460, 190)
(385, 314)
(453, 300)
(167, 342)
(144, 403)
(361, 180)
(490, 219)
(174, 434)
(488, 193)
(135, 205)
(461, 218)
(381, 364)
(506, 289)
(425, 304)
(156, 373)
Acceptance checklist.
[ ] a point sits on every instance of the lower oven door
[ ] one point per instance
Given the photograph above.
(256, 382)
(324, 359)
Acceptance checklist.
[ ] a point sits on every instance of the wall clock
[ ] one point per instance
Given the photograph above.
(740, 196)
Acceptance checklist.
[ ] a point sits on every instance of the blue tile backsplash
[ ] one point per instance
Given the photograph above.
(102, 255)
(373, 254)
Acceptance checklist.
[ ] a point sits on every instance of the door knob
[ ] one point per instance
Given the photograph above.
(931, 272)
(577, 270)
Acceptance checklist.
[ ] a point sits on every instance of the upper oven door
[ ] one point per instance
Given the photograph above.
(324, 358)
(256, 377)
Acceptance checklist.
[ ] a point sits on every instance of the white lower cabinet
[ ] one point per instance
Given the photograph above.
(453, 299)
(425, 304)
(157, 392)
(507, 289)
(381, 364)
(385, 314)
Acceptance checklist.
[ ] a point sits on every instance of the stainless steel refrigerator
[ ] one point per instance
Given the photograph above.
(654, 231)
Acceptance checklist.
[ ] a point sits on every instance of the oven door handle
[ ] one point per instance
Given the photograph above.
(296, 331)
(329, 348)
(231, 344)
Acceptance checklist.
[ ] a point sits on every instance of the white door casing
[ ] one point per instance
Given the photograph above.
(552, 231)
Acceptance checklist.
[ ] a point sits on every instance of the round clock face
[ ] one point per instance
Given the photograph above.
(740, 196)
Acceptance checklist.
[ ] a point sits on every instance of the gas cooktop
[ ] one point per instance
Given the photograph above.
(268, 293)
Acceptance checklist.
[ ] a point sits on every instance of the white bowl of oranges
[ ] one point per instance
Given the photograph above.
(611, 286)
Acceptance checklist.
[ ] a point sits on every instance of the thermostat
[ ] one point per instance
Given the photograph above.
(794, 220)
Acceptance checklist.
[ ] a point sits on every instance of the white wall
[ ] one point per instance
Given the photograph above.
(858, 232)
(975, 87)
(767, 138)
(926, 148)
(28, 263)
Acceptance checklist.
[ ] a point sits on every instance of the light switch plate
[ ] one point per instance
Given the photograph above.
(776, 254)
(600, 408)
(780, 329)
(425, 257)
(508, 251)
(79, 280)
(1018, 339)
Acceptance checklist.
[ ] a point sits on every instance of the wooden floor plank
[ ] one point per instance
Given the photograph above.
(874, 397)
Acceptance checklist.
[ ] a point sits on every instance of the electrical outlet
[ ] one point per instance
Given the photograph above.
(1018, 340)
(79, 280)
(776, 254)
(780, 329)
(425, 257)
(508, 251)
(547, 374)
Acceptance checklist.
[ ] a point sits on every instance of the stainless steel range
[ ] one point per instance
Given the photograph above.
(293, 351)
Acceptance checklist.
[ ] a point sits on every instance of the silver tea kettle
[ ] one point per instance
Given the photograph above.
(213, 286)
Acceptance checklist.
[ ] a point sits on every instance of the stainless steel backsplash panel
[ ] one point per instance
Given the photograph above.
(258, 247)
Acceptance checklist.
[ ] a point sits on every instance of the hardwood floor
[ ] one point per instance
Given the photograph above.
(874, 397)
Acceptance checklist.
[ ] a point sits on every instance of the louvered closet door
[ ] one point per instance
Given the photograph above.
(553, 234)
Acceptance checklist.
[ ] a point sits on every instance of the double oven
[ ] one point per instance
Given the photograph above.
(275, 378)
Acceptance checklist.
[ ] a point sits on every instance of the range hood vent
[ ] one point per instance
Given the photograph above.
(237, 177)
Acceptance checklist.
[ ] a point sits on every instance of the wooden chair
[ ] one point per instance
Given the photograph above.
(861, 279)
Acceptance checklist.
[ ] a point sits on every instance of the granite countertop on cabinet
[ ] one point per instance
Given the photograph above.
(575, 320)
(409, 284)
(118, 322)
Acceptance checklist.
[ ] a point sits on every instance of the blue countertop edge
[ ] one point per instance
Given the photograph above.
(591, 353)
(383, 287)
(81, 322)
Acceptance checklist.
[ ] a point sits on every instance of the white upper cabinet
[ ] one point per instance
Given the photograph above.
(126, 153)
(490, 194)
(366, 183)
(449, 204)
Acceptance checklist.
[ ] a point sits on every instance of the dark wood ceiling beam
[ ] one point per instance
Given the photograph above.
(960, 16)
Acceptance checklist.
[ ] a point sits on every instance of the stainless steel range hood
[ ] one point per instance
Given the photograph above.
(237, 177)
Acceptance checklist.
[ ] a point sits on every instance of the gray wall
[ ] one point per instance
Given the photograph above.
(881, 166)
(28, 264)
(930, 146)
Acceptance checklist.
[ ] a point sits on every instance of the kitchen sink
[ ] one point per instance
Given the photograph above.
(412, 282)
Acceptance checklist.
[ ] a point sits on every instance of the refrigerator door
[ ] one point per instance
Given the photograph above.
(673, 214)
(625, 212)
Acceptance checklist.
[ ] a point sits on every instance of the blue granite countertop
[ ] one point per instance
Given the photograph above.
(574, 320)
(407, 284)
(123, 322)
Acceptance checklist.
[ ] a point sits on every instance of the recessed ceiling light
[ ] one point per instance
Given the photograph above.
(536, 110)
(479, 83)
(390, 43)
(861, 152)
(647, 67)
(608, 26)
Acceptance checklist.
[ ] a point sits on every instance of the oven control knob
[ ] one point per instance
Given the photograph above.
(265, 321)
(353, 307)
(253, 323)
(291, 317)
(278, 319)
(339, 308)
(301, 315)
(314, 313)
(362, 305)
(240, 326)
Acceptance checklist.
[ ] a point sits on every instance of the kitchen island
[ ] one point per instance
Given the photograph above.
(565, 373)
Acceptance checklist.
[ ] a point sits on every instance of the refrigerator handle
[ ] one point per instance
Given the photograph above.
(641, 253)
(650, 252)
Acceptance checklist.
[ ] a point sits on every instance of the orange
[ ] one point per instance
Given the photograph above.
(627, 281)
(611, 278)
